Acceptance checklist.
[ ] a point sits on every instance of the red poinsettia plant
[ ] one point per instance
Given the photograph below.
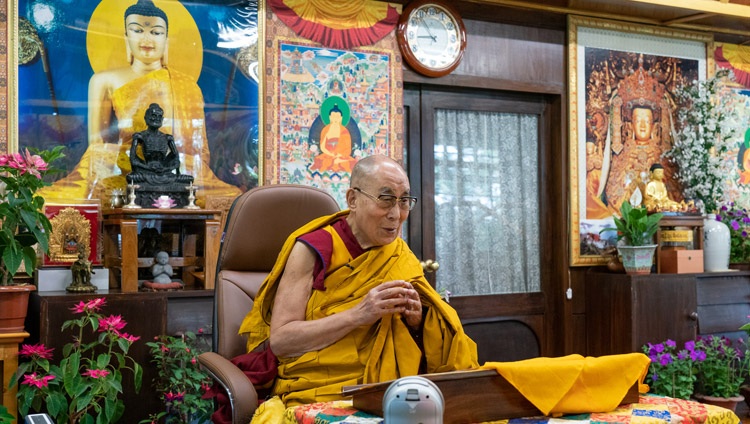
(85, 386)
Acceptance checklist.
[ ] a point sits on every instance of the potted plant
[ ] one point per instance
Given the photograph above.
(22, 226)
(181, 382)
(85, 386)
(672, 372)
(721, 373)
(635, 233)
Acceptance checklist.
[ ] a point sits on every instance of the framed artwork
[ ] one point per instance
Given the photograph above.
(84, 74)
(622, 80)
(735, 57)
(329, 108)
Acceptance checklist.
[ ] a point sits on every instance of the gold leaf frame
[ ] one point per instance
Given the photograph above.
(634, 38)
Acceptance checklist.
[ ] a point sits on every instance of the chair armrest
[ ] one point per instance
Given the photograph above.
(243, 398)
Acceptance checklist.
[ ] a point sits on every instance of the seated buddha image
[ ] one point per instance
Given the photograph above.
(336, 134)
(656, 197)
(120, 92)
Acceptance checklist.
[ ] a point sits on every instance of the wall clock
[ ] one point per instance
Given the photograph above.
(432, 37)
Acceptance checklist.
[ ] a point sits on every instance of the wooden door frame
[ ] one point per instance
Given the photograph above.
(550, 302)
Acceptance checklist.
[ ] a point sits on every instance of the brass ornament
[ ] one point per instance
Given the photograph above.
(71, 233)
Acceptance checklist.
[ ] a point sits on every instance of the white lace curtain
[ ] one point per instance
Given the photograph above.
(487, 202)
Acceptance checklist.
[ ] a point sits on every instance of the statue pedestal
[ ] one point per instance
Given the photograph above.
(147, 194)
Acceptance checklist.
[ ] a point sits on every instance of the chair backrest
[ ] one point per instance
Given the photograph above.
(258, 223)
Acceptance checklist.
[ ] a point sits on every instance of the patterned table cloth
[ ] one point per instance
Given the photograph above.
(650, 409)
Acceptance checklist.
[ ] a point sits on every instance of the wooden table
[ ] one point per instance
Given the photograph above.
(121, 230)
(9, 358)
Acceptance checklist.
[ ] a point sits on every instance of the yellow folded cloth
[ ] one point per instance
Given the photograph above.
(573, 384)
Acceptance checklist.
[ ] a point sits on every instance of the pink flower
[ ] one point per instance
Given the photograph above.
(34, 164)
(200, 331)
(93, 305)
(164, 348)
(193, 361)
(127, 336)
(113, 323)
(37, 381)
(174, 397)
(96, 373)
(36, 351)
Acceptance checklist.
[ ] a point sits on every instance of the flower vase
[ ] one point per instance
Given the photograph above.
(637, 260)
(716, 244)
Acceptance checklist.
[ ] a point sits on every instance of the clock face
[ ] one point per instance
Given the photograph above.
(432, 38)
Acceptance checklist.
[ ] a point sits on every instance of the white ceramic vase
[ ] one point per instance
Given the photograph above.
(716, 244)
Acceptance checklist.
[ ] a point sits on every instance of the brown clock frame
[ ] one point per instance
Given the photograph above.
(403, 43)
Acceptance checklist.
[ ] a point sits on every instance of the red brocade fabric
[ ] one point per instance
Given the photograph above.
(331, 29)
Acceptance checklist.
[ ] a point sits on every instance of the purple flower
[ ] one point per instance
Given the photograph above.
(670, 343)
(690, 345)
(665, 360)
(698, 355)
(735, 225)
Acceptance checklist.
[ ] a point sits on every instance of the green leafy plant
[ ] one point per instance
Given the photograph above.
(672, 371)
(635, 225)
(5, 416)
(23, 223)
(738, 221)
(86, 385)
(724, 368)
(181, 382)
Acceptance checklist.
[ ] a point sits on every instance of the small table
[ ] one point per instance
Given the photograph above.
(121, 229)
(9, 358)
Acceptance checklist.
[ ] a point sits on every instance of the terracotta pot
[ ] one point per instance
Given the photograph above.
(728, 403)
(14, 302)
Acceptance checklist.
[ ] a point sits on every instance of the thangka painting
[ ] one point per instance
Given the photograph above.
(329, 108)
(623, 111)
(88, 70)
(736, 58)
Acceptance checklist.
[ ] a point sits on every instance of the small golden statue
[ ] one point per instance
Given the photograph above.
(656, 198)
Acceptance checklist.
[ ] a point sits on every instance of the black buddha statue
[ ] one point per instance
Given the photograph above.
(155, 164)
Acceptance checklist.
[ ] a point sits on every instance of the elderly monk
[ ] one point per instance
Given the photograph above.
(347, 301)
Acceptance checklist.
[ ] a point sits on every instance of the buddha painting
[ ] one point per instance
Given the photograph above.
(629, 126)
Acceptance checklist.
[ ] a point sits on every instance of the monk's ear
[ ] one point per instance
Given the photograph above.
(351, 197)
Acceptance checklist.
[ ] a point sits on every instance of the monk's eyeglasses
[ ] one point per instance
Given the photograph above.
(387, 201)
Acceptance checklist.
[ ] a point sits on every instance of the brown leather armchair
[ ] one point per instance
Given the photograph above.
(257, 225)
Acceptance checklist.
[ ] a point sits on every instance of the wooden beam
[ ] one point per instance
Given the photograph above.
(717, 7)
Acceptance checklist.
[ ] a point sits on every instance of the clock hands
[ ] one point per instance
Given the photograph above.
(429, 33)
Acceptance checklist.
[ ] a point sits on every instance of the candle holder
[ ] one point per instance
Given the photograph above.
(191, 197)
(131, 197)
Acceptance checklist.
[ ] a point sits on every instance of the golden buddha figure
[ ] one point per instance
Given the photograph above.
(656, 197)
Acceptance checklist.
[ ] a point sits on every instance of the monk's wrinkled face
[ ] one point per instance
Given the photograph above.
(375, 224)
(643, 120)
(147, 37)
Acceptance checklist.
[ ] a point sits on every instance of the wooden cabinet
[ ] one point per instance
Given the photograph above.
(147, 315)
(624, 312)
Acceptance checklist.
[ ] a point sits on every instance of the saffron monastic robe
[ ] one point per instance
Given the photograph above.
(382, 351)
